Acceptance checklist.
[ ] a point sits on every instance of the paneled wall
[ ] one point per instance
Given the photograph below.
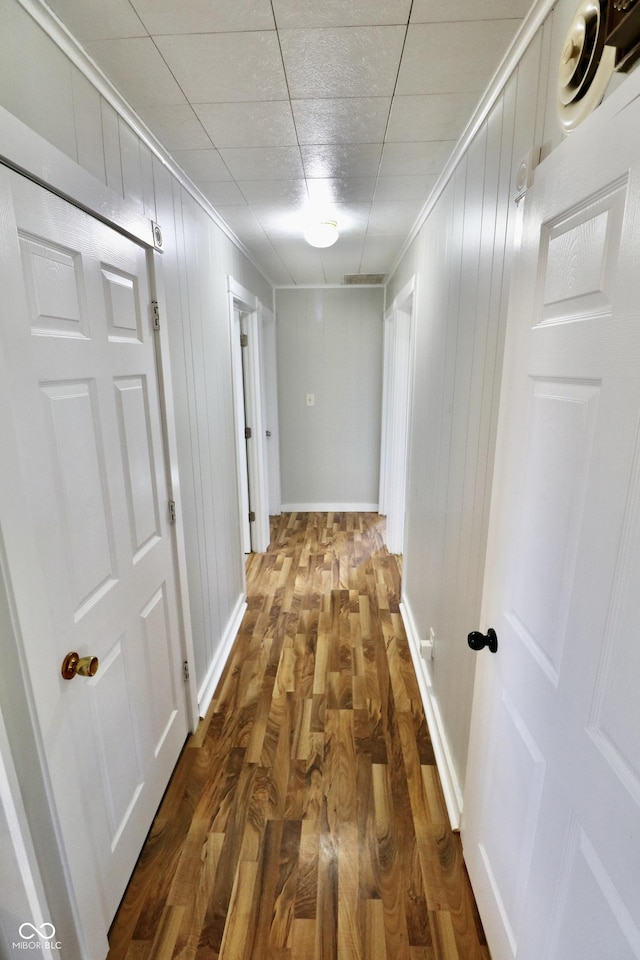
(329, 344)
(42, 86)
(462, 259)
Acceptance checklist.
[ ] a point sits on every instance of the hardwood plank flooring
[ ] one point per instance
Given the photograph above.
(305, 818)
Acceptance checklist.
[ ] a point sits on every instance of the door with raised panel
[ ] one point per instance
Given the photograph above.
(552, 800)
(80, 354)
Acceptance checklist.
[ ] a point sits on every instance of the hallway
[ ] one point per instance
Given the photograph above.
(305, 817)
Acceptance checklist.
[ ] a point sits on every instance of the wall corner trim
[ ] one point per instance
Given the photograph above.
(208, 687)
(450, 785)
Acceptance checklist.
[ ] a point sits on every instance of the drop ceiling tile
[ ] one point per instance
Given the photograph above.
(264, 163)
(343, 257)
(302, 262)
(341, 190)
(337, 13)
(203, 165)
(137, 70)
(424, 11)
(405, 188)
(271, 264)
(441, 116)
(248, 124)
(390, 218)
(342, 61)
(226, 67)
(415, 159)
(453, 57)
(354, 120)
(243, 222)
(290, 220)
(379, 254)
(203, 16)
(222, 193)
(176, 126)
(341, 160)
(352, 218)
(96, 20)
(274, 191)
(280, 220)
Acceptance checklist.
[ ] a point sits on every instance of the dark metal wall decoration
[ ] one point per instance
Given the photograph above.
(623, 32)
(604, 36)
(586, 64)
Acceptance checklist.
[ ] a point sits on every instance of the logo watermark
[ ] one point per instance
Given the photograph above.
(37, 938)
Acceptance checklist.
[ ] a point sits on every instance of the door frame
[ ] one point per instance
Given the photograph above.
(385, 431)
(493, 916)
(26, 794)
(269, 372)
(249, 403)
(397, 392)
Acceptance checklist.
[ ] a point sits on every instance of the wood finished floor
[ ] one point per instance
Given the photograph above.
(305, 817)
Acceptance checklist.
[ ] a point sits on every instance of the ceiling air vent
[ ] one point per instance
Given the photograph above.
(367, 278)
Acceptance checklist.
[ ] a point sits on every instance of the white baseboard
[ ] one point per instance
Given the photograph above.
(450, 785)
(329, 507)
(208, 687)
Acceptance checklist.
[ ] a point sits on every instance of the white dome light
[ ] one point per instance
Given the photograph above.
(324, 233)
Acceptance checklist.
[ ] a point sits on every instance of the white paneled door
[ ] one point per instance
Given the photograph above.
(552, 806)
(80, 355)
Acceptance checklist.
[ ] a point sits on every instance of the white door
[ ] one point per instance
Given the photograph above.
(79, 354)
(551, 827)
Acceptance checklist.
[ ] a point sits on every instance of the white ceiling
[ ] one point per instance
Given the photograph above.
(275, 106)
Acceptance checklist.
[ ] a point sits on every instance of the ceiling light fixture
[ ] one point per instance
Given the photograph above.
(323, 233)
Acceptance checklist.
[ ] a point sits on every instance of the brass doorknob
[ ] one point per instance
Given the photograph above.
(85, 666)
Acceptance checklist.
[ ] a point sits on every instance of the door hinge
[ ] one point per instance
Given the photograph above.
(244, 339)
(247, 433)
(155, 314)
(252, 516)
(185, 670)
(172, 511)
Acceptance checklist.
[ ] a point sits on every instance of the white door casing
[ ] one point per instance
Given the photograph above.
(244, 316)
(240, 422)
(552, 801)
(257, 447)
(398, 368)
(80, 359)
(385, 430)
(269, 374)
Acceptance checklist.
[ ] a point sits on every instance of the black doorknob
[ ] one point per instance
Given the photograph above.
(477, 640)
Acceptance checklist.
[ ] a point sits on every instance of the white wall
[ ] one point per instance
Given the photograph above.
(329, 343)
(461, 259)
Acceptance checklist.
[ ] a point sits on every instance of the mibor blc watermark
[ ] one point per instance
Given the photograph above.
(37, 938)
